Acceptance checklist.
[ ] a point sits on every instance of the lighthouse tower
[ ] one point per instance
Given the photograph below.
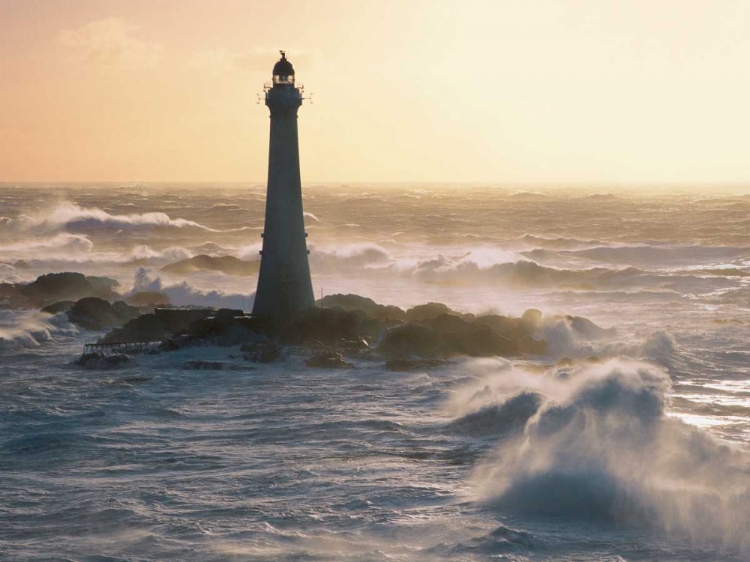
(284, 284)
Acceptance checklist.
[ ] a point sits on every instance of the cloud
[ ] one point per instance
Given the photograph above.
(110, 42)
(249, 60)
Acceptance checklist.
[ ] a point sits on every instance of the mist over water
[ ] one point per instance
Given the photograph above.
(627, 442)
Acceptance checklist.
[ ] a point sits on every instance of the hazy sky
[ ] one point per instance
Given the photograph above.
(559, 91)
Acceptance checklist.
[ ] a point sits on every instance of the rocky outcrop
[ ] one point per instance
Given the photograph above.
(56, 287)
(159, 325)
(228, 265)
(92, 313)
(62, 306)
(472, 340)
(368, 306)
(430, 311)
(225, 327)
(435, 332)
(99, 362)
(479, 341)
(411, 339)
(432, 329)
(331, 325)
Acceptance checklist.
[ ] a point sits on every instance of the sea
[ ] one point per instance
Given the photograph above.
(627, 443)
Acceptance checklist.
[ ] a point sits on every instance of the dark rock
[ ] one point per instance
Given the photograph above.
(62, 306)
(329, 360)
(519, 330)
(229, 313)
(402, 364)
(55, 287)
(21, 264)
(125, 311)
(97, 361)
(164, 322)
(226, 329)
(92, 313)
(171, 344)
(103, 284)
(432, 310)
(410, 339)
(331, 325)
(436, 331)
(176, 319)
(447, 323)
(509, 327)
(368, 306)
(480, 341)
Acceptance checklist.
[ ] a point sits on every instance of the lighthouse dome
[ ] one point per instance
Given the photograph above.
(283, 68)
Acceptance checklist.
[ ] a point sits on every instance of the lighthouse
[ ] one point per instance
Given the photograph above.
(284, 284)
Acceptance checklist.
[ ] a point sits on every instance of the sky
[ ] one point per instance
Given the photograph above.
(503, 92)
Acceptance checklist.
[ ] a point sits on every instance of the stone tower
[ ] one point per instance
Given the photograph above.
(284, 284)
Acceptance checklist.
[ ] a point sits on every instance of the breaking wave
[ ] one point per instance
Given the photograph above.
(351, 256)
(70, 217)
(63, 242)
(184, 294)
(9, 274)
(596, 444)
(31, 330)
(529, 274)
(175, 253)
(648, 255)
(558, 243)
(576, 338)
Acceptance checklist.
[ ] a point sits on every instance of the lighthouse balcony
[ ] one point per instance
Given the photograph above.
(269, 85)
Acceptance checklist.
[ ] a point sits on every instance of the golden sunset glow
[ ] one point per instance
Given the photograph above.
(589, 91)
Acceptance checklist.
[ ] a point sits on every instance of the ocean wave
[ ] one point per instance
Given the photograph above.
(184, 294)
(349, 256)
(566, 338)
(52, 246)
(24, 330)
(558, 243)
(660, 256)
(529, 274)
(70, 217)
(326, 259)
(8, 274)
(600, 446)
(144, 252)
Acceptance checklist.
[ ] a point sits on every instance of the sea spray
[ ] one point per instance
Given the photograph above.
(600, 446)
(184, 294)
(25, 329)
